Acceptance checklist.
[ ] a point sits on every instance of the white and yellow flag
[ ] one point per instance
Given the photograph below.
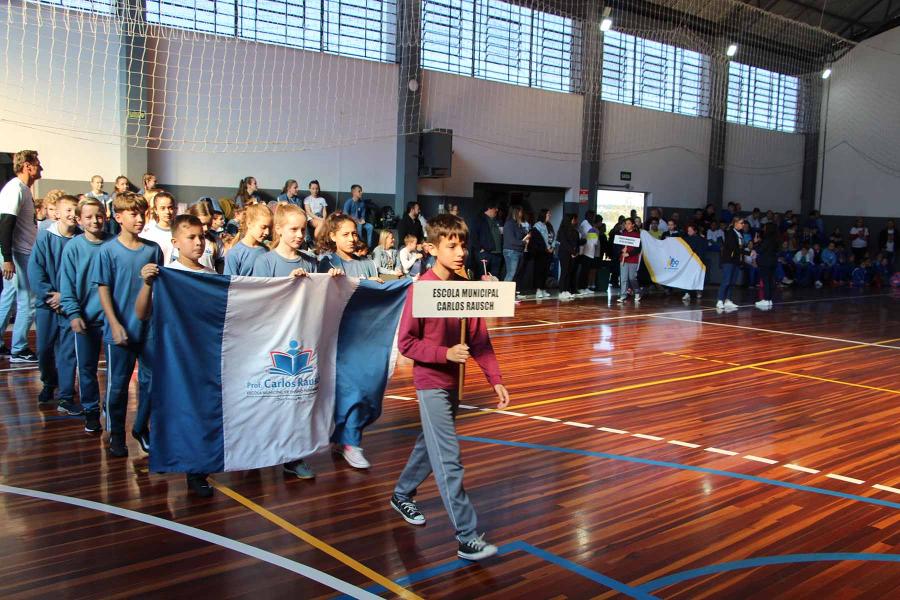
(671, 262)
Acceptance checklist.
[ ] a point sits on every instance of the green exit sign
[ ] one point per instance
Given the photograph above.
(625, 175)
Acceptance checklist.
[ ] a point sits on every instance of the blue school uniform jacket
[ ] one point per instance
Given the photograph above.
(78, 294)
(43, 265)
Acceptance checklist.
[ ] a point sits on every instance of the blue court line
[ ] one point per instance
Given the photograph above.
(519, 546)
(763, 561)
(672, 465)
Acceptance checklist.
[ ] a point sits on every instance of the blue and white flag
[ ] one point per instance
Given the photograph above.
(246, 370)
(671, 262)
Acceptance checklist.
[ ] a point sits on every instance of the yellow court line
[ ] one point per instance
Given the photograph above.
(801, 375)
(316, 542)
(826, 380)
(645, 384)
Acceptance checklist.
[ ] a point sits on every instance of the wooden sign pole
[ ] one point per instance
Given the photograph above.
(462, 366)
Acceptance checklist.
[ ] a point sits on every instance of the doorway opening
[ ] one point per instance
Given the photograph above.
(612, 203)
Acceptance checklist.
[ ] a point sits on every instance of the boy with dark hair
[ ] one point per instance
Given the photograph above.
(117, 273)
(434, 346)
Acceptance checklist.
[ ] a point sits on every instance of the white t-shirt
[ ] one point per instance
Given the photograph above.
(207, 259)
(163, 237)
(860, 241)
(180, 267)
(16, 200)
(316, 205)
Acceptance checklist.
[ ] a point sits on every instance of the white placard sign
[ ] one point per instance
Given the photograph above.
(464, 299)
(625, 240)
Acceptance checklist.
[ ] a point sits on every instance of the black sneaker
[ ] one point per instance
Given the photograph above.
(300, 469)
(143, 439)
(476, 549)
(197, 483)
(69, 408)
(46, 395)
(117, 445)
(408, 510)
(25, 356)
(92, 422)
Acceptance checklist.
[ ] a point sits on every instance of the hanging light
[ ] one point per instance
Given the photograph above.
(732, 50)
(606, 24)
(826, 73)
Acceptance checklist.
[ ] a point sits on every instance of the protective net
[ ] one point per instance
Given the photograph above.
(287, 75)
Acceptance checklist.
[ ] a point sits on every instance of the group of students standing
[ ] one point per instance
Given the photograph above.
(93, 291)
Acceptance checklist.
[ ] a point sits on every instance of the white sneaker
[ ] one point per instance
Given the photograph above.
(730, 305)
(565, 296)
(584, 292)
(622, 299)
(355, 457)
(720, 305)
(686, 297)
(818, 284)
(539, 293)
(762, 305)
(637, 298)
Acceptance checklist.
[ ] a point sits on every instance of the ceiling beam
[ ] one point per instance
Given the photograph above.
(819, 11)
(858, 19)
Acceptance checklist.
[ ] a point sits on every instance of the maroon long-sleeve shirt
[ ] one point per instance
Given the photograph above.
(426, 341)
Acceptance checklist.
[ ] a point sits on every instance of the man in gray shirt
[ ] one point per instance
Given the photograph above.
(18, 231)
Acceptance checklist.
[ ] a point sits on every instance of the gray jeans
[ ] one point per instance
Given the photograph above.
(437, 451)
(628, 278)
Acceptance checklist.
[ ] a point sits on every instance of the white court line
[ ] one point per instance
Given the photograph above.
(644, 436)
(468, 406)
(886, 488)
(576, 424)
(720, 451)
(842, 478)
(685, 444)
(204, 536)
(760, 459)
(758, 329)
(547, 419)
(510, 413)
(597, 320)
(675, 312)
(802, 469)
(611, 430)
(399, 397)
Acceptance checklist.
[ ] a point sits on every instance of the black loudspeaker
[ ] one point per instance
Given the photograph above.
(435, 153)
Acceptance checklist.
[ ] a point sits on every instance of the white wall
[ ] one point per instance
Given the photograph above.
(503, 133)
(667, 154)
(304, 114)
(763, 168)
(44, 104)
(860, 167)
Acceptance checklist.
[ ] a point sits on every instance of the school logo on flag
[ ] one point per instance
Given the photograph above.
(672, 262)
(292, 375)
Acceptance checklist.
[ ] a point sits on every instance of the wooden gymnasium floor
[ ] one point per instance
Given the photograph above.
(659, 452)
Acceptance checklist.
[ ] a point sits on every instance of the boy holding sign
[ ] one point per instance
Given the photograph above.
(630, 260)
(433, 343)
